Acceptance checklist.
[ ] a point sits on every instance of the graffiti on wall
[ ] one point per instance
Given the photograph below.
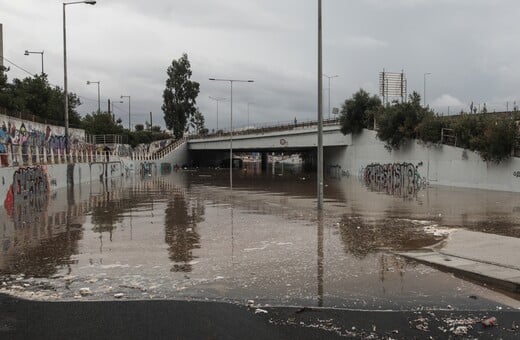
(399, 179)
(30, 186)
(23, 136)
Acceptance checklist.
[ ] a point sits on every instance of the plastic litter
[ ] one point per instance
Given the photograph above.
(489, 322)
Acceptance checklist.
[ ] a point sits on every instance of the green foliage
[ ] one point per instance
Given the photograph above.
(494, 138)
(197, 121)
(498, 140)
(34, 95)
(101, 124)
(179, 96)
(139, 127)
(358, 112)
(468, 131)
(156, 128)
(398, 123)
(144, 137)
(430, 128)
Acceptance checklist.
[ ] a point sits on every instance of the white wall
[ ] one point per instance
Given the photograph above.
(441, 164)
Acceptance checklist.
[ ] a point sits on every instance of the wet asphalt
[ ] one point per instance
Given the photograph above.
(23, 319)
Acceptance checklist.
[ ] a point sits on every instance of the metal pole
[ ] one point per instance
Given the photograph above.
(231, 81)
(98, 99)
(329, 78)
(217, 99)
(329, 98)
(320, 111)
(43, 72)
(65, 88)
(129, 116)
(424, 89)
(231, 142)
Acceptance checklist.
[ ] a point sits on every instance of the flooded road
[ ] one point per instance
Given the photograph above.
(188, 236)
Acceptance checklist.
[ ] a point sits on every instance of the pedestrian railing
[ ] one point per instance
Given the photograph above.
(19, 155)
(148, 156)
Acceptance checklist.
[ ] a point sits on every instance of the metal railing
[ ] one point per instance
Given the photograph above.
(16, 155)
(147, 156)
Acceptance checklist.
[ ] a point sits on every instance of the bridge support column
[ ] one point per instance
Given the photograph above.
(265, 161)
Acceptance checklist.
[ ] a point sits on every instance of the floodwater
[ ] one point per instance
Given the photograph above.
(186, 235)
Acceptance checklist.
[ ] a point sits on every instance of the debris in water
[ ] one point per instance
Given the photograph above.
(303, 309)
(489, 322)
(85, 291)
(260, 311)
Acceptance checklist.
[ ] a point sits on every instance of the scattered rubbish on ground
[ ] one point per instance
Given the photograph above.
(85, 291)
(489, 322)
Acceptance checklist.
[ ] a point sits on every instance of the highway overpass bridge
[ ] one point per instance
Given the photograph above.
(214, 149)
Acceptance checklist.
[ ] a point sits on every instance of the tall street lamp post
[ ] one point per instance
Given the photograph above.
(424, 88)
(320, 111)
(35, 52)
(217, 99)
(248, 104)
(129, 115)
(113, 113)
(329, 78)
(231, 81)
(98, 97)
(65, 88)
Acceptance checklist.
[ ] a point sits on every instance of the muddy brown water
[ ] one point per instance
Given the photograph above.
(186, 235)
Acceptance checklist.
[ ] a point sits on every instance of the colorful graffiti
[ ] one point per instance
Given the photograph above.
(400, 179)
(29, 184)
(18, 136)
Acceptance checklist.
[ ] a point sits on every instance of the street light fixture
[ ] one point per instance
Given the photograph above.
(217, 99)
(424, 89)
(98, 97)
(35, 52)
(329, 78)
(65, 89)
(231, 81)
(129, 116)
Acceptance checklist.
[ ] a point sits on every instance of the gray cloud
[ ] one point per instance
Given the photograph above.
(468, 46)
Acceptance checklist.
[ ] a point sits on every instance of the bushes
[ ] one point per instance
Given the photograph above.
(493, 137)
(357, 113)
(399, 122)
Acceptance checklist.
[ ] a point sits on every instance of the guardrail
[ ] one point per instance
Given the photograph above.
(19, 155)
(267, 127)
(146, 156)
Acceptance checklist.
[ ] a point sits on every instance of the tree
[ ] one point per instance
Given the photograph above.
(36, 96)
(358, 112)
(101, 124)
(498, 140)
(197, 121)
(139, 127)
(399, 122)
(179, 96)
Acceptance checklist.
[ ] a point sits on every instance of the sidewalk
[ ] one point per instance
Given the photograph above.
(488, 258)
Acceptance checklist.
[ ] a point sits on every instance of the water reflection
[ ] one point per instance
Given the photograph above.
(181, 219)
(263, 239)
(361, 237)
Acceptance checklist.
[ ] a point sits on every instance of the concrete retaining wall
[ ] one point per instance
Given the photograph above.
(437, 164)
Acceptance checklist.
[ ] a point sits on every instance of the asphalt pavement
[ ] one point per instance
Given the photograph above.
(21, 319)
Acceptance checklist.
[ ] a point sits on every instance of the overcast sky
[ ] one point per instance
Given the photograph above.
(470, 47)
